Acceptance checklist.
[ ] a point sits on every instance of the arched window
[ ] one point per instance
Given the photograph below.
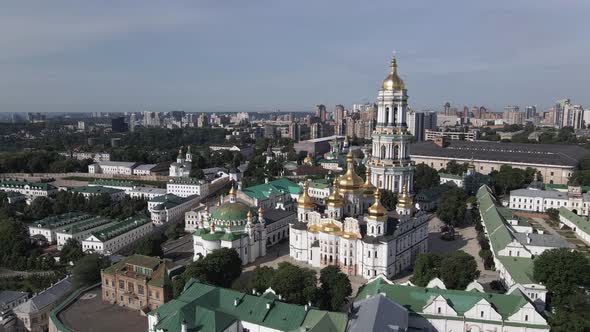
(379, 229)
(382, 151)
(395, 151)
(373, 229)
(386, 115)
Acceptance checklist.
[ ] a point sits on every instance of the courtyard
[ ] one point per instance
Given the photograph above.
(89, 313)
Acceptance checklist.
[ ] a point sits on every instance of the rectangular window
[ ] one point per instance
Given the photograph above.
(140, 289)
(121, 284)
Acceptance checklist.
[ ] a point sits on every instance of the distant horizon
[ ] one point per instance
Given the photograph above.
(227, 56)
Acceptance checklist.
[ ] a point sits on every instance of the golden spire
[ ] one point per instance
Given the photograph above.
(180, 152)
(392, 81)
(368, 187)
(377, 211)
(304, 200)
(350, 182)
(233, 191)
(249, 215)
(405, 201)
(335, 199)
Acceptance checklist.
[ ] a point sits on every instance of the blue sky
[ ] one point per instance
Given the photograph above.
(289, 55)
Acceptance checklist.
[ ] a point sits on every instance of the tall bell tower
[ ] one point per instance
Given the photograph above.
(390, 163)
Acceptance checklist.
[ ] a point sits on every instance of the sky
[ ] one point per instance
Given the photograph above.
(122, 56)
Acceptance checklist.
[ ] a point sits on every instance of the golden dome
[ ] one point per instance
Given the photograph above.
(377, 211)
(368, 187)
(307, 160)
(405, 200)
(335, 200)
(350, 182)
(392, 82)
(313, 228)
(304, 200)
(330, 228)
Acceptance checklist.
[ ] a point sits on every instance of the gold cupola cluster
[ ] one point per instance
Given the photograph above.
(349, 182)
(335, 200)
(405, 200)
(392, 82)
(368, 187)
(305, 201)
(377, 211)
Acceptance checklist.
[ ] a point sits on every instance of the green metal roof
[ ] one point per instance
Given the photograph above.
(416, 298)
(53, 222)
(169, 201)
(159, 268)
(520, 268)
(451, 176)
(325, 321)
(320, 184)
(580, 222)
(85, 225)
(96, 190)
(223, 236)
(209, 308)
(22, 184)
(183, 180)
(231, 211)
(120, 227)
(114, 183)
(272, 188)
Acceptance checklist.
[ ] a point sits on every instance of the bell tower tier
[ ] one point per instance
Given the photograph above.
(390, 164)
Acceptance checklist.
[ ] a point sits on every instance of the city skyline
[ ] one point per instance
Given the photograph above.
(64, 57)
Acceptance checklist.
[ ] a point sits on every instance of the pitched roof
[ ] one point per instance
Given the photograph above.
(378, 313)
(120, 227)
(580, 222)
(96, 190)
(325, 321)
(47, 297)
(414, 298)
(218, 304)
(22, 184)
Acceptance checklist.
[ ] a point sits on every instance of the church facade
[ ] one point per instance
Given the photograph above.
(355, 232)
(183, 165)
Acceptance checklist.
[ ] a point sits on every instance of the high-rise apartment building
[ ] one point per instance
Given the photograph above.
(530, 112)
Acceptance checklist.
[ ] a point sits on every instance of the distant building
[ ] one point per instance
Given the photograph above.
(146, 192)
(530, 112)
(30, 190)
(112, 167)
(183, 165)
(536, 200)
(82, 229)
(118, 125)
(171, 208)
(555, 162)
(95, 156)
(92, 191)
(317, 146)
(470, 180)
(185, 187)
(138, 282)
(470, 135)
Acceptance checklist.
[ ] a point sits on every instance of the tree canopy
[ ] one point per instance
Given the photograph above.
(87, 270)
(456, 270)
(509, 178)
(334, 289)
(451, 208)
(426, 268)
(425, 177)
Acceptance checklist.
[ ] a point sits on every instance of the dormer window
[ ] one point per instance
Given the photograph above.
(439, 310)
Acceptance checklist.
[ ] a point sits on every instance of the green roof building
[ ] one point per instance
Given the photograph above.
(209, 308)
(437, 309)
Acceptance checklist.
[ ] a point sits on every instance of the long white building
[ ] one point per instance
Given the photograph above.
(48, 227)
(81, 230)
(184, 187)
(109, 240)
(535, 200)
(31, 190)
(112, 167)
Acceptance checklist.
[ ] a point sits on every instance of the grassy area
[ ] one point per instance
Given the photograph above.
(159, 184)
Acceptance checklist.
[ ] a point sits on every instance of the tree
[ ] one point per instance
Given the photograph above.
(451, 209)
(150, 245)
(509, 178)
(562, 271)
(40, 208)
(221, 267)
(425, 177)
(572, 315)
(71, 251)
(388, 199)
(262, 278)
(297, 285)
(87, 270)
(455, 168)
(426, 268)
(335, 288)
(458, 270)
(553, 214)
(197, 173)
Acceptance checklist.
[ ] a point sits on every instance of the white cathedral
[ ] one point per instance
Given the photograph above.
(354, 231)
(390, 163)
(183, 165)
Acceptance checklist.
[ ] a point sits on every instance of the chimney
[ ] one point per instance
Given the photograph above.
(440, 141)
(183, 326)
(253, 291)
(268, 305)
(236, 302)
(265, 180)
(528, 238)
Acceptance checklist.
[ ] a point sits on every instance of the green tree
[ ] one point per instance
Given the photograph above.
(451, 209)
(150, 245)
(262, 278)
(87, 270)
(572, 315)
(455, 168)
(221, 267)
(71, 251)
(563, 272)
(458, 270)
(425, 177)
(335, 288)
(40, 208)
(426, 268)
(295, 284)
